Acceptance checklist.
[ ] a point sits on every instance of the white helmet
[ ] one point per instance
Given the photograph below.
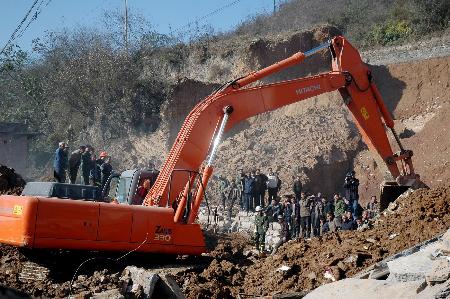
(258, 209)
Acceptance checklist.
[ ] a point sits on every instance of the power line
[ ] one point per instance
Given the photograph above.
(35, 15)
(13, 35)
(216, 11)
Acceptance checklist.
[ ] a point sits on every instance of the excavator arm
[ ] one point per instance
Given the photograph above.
(203, 128)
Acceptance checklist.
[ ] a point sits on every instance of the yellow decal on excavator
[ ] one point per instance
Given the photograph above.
(364, 113)
(18, 210)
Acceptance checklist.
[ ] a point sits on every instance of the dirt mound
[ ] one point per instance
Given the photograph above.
(10, 181)
(416, 218)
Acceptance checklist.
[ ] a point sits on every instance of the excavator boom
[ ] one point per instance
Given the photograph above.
(350, 76)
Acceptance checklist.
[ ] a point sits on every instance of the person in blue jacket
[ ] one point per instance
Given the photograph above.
(60, 163)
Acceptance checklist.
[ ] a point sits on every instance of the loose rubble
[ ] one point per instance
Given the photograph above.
(236, 270)
(233, 268)
(10, 182)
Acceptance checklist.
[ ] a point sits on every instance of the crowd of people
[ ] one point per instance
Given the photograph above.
(93, 171)
(300, 214)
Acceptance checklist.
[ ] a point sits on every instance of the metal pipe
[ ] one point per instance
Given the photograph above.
(227, 111)
(317, 49)
(290, 61)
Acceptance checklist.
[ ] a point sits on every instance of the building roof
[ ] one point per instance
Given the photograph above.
(15, 129)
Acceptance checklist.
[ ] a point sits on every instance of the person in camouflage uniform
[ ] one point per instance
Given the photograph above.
(262, 225)
(224, 187)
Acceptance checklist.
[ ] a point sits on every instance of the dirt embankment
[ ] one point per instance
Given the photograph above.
(418, 96)
(232, 271)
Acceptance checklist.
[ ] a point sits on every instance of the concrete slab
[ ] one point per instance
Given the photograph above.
(439, 272)
(412, 267)
(142, 279)
(365, 288)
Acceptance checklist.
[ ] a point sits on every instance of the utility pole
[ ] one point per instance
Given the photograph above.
(274, 6)
(126, 26)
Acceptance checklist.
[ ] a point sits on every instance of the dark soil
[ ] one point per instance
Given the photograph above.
(11, 183)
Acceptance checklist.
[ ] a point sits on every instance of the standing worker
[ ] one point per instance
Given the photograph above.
(351, 184)
(297, 187)
(249, 186)
(60, 163)
(305, 215)
(262, 225)
(86, 165)
(105, 169)
(240, 187)
(272, 185)
(224, 187)
(74, 163)
(261, 186)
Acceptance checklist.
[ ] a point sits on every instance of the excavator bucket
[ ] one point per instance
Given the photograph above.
(389, 192)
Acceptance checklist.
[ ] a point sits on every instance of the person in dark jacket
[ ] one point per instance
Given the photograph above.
(316, 214)
(249, 186)
(297, 188)
(239, 180)
(95, 173)
(296, 219)
(74, 163)
(105, 170)
(287, 212)
(260, 188)
(60, 163)
(86, 165)
(351, 184)
(279, 182)
(328, 206)
(347, 222)
(273, 210)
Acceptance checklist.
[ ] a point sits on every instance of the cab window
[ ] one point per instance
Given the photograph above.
(122, 189)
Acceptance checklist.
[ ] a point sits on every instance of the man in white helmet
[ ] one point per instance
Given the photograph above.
(262, 225)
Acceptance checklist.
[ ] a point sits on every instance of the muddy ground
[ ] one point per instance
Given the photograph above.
(231, 268)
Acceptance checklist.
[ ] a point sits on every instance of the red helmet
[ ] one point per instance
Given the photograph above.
(103, 154)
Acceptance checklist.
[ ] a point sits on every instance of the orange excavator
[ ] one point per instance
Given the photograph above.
(165, 221)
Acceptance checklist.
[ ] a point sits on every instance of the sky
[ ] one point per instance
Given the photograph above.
(164, 15)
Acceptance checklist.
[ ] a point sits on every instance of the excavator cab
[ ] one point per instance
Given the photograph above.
(122, 187)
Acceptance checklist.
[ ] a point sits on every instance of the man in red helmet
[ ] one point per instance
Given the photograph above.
(105, 168)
